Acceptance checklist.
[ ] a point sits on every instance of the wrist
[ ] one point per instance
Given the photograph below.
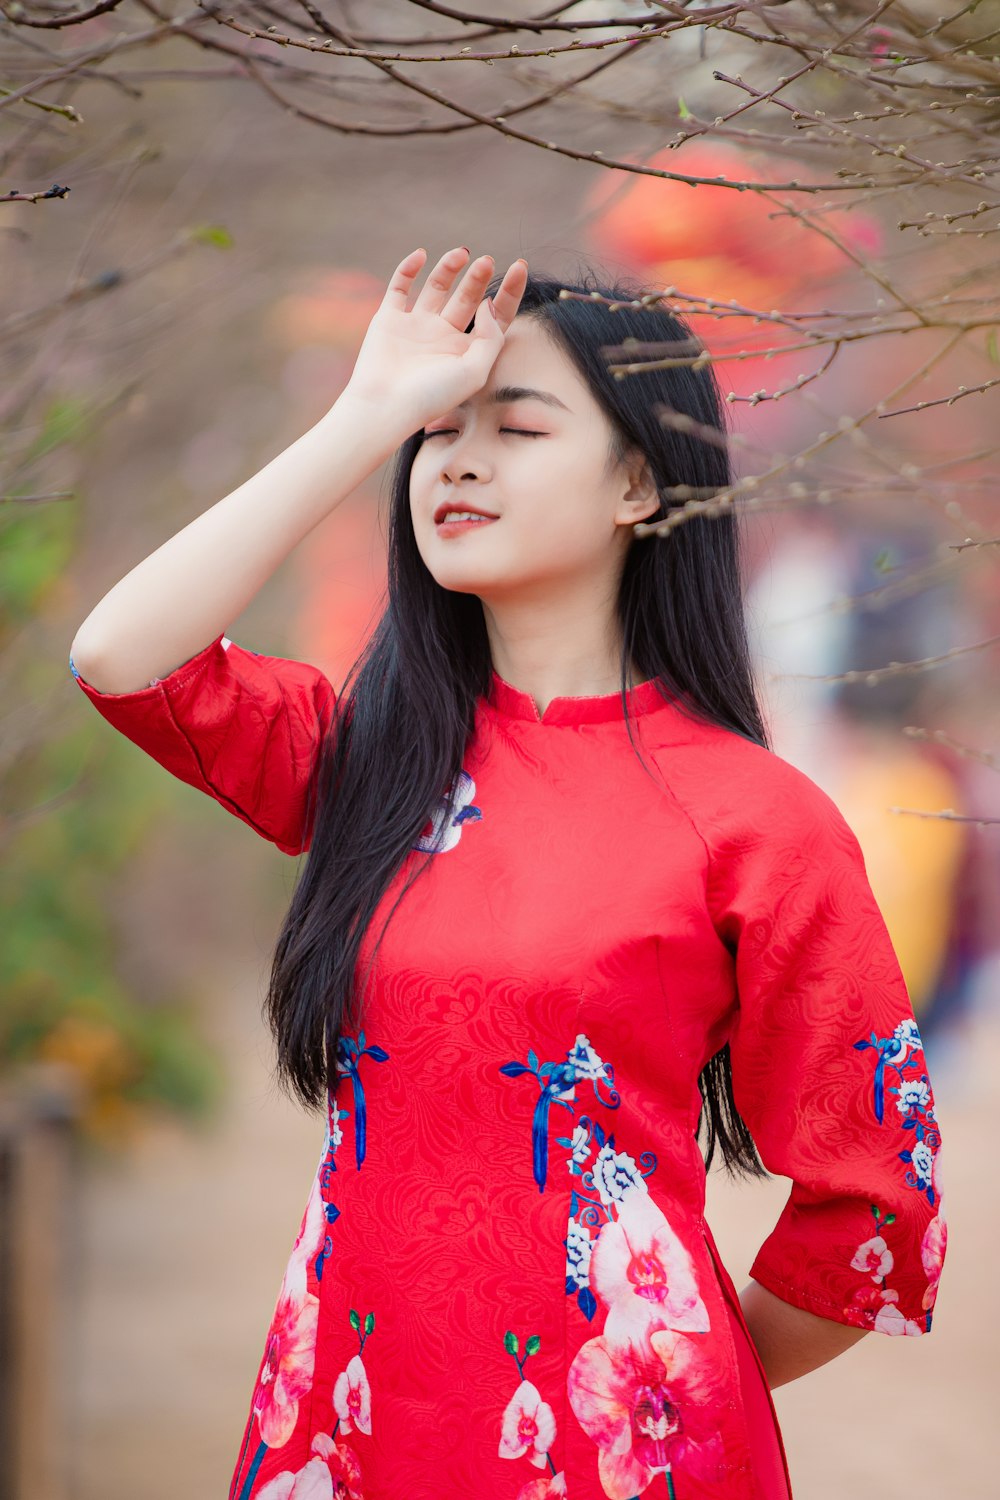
(380, 420)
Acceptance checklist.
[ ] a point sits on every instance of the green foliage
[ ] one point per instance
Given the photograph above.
(75, 806)
(38, 542)
(60, 997)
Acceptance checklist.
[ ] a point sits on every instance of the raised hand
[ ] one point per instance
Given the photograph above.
(419, 360)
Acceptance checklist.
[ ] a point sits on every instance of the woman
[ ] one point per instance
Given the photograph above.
(564, 912)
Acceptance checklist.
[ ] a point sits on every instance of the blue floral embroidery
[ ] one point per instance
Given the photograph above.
(579, 1246)
(555, 1082)
(331, 1140)
(892, 1052)
(446, 827)
(72, 666)
(349, 1054)
(903, 1054)
(612, 1174)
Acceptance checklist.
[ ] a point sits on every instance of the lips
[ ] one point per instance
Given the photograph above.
(447, 505)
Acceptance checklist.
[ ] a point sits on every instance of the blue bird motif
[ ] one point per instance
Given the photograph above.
(557, 1082)
(349, 1054)
(893, 1052)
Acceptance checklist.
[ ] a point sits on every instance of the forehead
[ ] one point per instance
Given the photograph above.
(530, 359)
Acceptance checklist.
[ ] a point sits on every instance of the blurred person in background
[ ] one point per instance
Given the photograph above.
(934, 878)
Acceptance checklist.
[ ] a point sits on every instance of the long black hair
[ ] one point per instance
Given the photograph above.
(403, 719)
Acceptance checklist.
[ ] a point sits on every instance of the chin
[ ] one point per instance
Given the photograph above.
(462, 578)
(464, 584)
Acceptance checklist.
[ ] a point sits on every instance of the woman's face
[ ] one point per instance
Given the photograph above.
(563, 519)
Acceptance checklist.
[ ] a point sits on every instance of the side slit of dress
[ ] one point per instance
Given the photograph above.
(770, 1462)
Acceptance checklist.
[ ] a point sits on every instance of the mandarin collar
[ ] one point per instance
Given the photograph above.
(509, 702)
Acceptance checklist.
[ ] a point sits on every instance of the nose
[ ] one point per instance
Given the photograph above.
(464, 459)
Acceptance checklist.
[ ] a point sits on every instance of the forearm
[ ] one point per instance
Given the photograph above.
(190, 589)
(790, 1341)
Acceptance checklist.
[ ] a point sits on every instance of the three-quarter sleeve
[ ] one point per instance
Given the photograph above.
(829, 1071)
(243, 727)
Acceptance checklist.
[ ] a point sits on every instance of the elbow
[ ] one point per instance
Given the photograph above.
(85, 660)
(97, 668)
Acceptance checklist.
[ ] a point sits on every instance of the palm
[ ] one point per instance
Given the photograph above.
(418, 338)
(422, 356)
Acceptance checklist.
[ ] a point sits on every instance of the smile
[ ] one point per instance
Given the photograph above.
(455, 522)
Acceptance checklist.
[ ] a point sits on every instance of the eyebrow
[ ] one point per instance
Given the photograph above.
(508, 393)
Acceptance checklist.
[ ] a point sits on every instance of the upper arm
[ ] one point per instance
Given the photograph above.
(243, 727)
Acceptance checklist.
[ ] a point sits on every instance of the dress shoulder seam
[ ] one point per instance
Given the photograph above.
(681, 806)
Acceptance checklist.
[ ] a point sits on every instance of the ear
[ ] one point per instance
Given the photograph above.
(640, 499)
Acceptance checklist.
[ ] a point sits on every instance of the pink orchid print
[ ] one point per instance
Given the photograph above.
(648, 1409)
(287, 1369)
(874, 1256)
(644, 1275)
(528, 1428)
(549, 1487)
(352, 1397)
(875, 1307)
(333, 1473)
(932, 1253)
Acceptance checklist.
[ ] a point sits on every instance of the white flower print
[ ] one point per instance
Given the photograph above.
(580, 1146)
(578, 1251)
(922, 1158)
(352, 1397)
(446, 828)
(529, 1426)
(586, 1061)
(616, 1175)
(334, 1134)
(873, 1256)
(913, 1094)
(890, 1320)
(907, 1033)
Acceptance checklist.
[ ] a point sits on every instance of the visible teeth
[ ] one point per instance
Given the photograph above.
(464, 515)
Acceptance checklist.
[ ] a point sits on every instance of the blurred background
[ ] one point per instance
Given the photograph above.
(179, 316)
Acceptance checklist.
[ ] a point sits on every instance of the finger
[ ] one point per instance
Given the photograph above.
(402, 278)
(461, 306)
(437, 288)
(507, 297)
(485, 345)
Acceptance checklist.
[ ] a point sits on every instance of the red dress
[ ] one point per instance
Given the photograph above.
(503, 1284)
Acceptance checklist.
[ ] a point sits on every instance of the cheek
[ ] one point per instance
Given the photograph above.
(562, 531)
(419, 488)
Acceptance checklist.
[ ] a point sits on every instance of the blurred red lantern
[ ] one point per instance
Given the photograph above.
(717, 242)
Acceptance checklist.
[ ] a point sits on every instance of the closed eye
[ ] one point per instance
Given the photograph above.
(445, 431)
